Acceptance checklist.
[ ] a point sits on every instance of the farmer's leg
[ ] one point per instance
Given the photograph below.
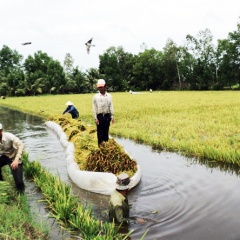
(4, 160)
(106, 125)
(100, 129)
(18, 178)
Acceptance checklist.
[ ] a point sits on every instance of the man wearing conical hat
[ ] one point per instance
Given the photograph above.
(71, 109)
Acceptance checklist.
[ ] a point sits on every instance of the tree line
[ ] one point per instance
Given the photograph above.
(197, 65)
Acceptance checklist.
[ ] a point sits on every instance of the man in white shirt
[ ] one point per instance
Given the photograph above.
(11, 149)
(103, 112)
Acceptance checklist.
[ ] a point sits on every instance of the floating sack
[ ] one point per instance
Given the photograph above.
(98, 182)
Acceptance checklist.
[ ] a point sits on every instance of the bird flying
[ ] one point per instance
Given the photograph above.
(89, 45)
(26, 43)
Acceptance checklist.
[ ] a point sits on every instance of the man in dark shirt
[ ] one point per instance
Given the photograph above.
(71, 109)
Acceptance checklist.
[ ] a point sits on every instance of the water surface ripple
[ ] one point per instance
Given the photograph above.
(192, 201)
(178, 198)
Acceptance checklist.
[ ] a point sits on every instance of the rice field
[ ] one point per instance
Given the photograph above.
(201, 124)
(65, 207)
(16, 220)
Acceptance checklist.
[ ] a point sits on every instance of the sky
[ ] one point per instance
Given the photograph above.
(58, 27)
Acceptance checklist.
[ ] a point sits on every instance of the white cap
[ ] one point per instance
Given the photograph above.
(123, 181)
(0, 126)
(101, 83)
(69, 103)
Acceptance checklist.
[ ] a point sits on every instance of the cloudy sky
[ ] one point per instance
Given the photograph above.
(57, 27)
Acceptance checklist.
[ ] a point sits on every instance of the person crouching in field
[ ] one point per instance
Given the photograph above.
(102, 111)
(71, 109)
(118, 205)
(11, 149)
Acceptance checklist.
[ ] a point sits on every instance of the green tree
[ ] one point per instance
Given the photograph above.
(171, 63)
(43, 67)
(204, 54)
(10, 70)
(78, 82)
(3, 83)
(223, 72)
(116, 65)
(30, 86)
(13, 80)
(109, 66)
(55, 78)
(92, 75)
(68, 64)
(9, 59)
(232, 56)
(147, 70)
(126, 63)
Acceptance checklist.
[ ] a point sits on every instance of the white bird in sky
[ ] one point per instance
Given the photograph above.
(89, 45)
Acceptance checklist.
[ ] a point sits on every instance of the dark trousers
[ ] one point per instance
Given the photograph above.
(75, 116)
(17, 173)
(103, 127)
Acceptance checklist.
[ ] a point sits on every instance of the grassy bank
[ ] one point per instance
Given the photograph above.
(16, 220)
(65, 207)
(200, 124)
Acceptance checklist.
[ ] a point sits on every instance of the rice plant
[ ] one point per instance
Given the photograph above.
(6, 192)
(204, 124)
(64, 206)
(16, 220)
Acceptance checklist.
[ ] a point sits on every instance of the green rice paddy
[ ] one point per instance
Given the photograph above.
(201, 124)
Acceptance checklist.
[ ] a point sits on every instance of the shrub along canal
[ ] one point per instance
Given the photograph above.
(177, 198)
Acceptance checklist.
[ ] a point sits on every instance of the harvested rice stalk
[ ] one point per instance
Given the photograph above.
(110, 157)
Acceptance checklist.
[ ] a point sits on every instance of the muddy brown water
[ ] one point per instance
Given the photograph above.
(178, 198)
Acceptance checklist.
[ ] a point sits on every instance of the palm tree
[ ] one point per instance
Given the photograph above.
(31, 86)
(92, 76)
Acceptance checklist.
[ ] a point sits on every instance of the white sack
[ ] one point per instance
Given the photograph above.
(98, 182)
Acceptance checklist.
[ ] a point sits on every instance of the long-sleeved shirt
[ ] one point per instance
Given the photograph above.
(11, 146)
(72, 110)
(118, 207)
(102, 104)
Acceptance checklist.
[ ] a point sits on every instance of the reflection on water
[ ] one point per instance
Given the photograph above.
(192, 201)
(230, 168)
(177, 198)
(43, 145)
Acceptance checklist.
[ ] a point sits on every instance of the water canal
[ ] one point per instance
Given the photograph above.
(177, 199)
